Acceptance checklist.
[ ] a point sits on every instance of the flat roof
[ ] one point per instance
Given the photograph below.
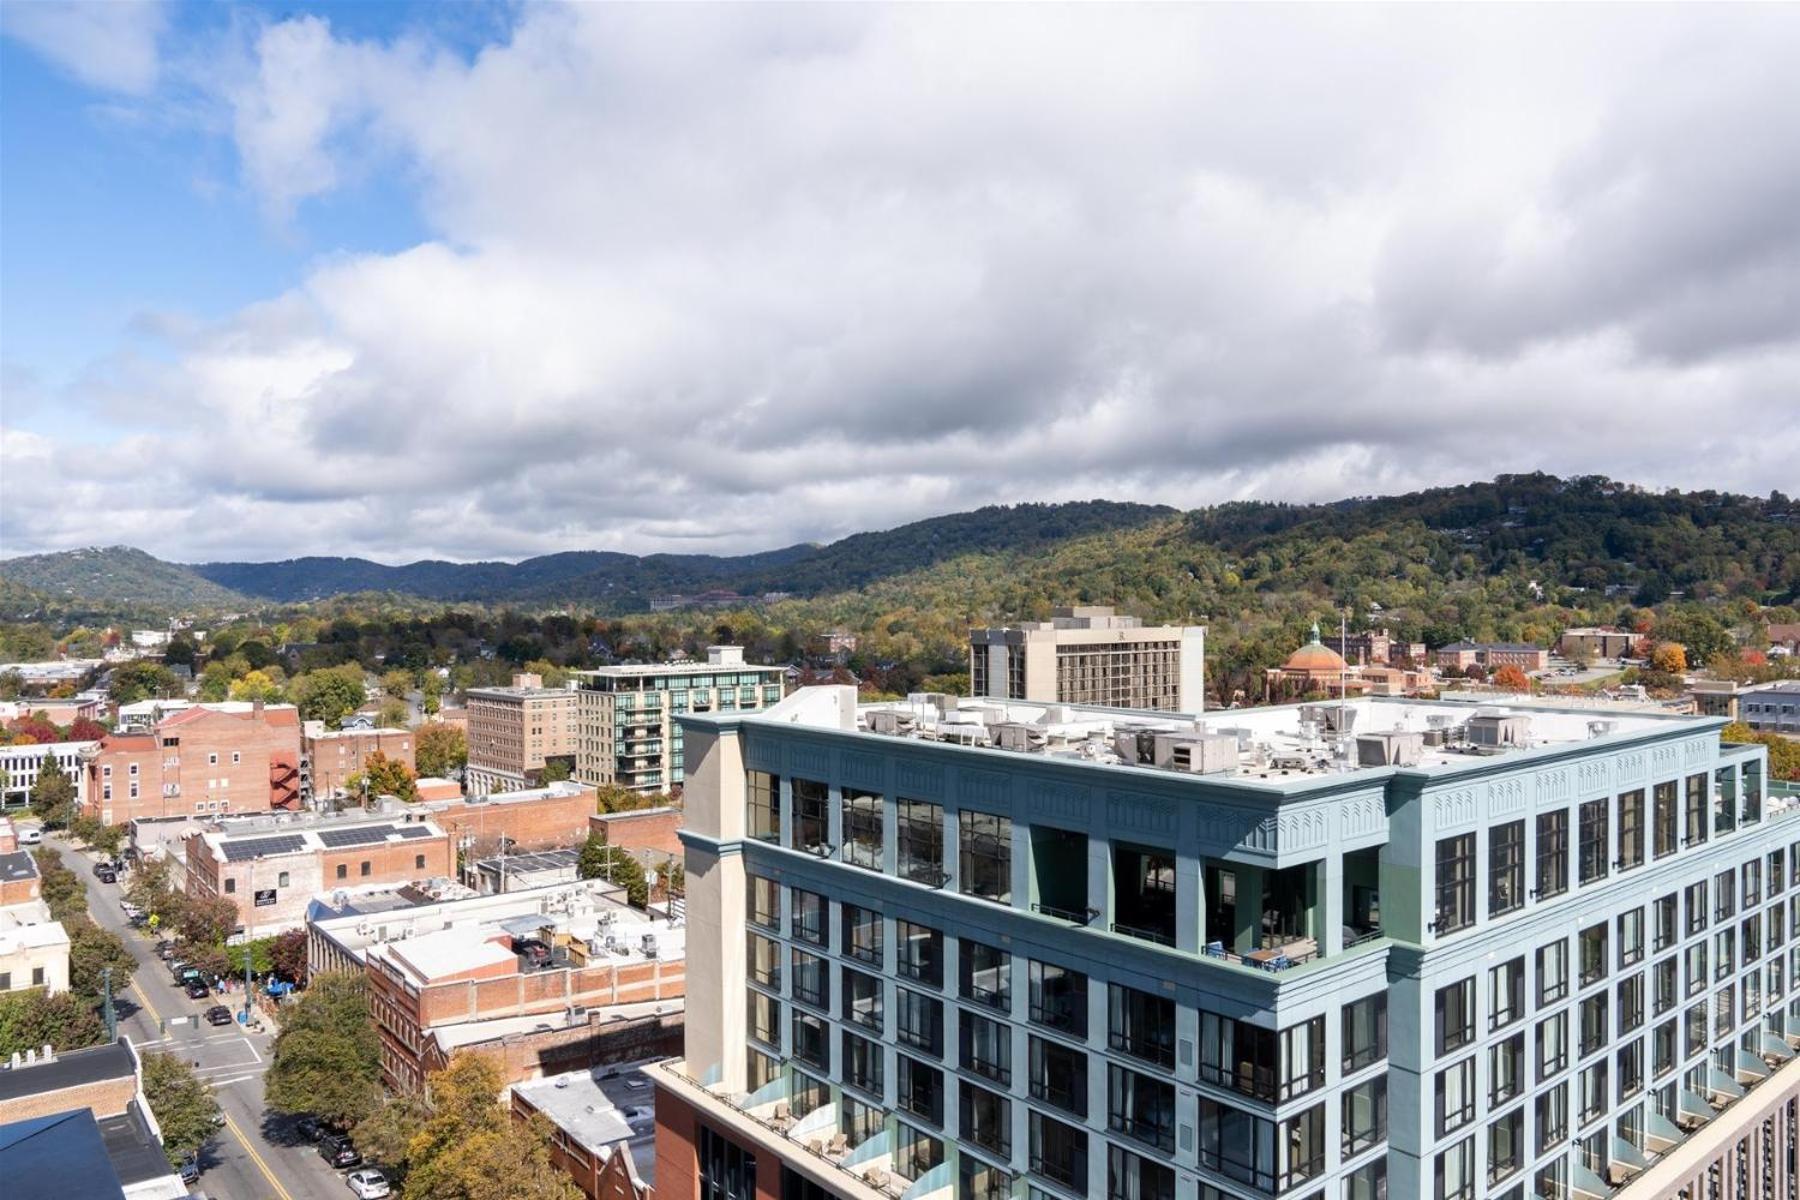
(63, 1155)
(633, 670)
(601, 1108)
(447, 952)
(1275, 745)
(71, 1068)
(16, 866)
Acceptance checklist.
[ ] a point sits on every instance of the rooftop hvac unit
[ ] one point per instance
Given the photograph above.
(1200, 756)
(1597, 729)
(1439, 721)
(889, 721)
(648, 945)
(1491, 730)
(1013, 735)
(1398, 748)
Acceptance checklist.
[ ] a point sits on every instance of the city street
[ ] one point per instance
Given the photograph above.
(255, 1157)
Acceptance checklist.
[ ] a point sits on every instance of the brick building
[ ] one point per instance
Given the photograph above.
(641, 829)
(1492, 655)
(514, 731)
(330, 757)
(600, 1132)
(458, 976)
(272, 873)
(202, 759)
(534, 819)
(1595, 642)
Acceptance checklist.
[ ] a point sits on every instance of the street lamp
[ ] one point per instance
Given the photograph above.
(249, 925)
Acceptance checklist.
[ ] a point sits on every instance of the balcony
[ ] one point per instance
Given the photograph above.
(810, 1144)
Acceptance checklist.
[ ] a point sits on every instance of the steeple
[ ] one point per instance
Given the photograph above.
(1315, 631)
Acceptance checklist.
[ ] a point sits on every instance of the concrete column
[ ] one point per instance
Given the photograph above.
(1189, 922)
(1329, 877)
(1249, 908)
(1099, 887)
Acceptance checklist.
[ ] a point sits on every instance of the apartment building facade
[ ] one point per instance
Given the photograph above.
(1089, 654)
(1492, 655)
(513, 731)
(1772, 709)
(1466, 953)
(200, 760)
(629, 734)
(330, 757)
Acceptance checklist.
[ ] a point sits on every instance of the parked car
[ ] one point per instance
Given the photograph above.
(189, 1170)
(30, 836)
(218, 1014)
(368, 1184)
(337, 1150)
(106, 874)
(311, 1128)
(197, 989)
(137, 920)
(165, 950)
(181, 973)
(128, 908)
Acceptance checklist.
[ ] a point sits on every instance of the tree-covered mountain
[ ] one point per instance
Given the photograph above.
(112, 576)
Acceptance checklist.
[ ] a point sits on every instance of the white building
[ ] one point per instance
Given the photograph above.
(22, 764)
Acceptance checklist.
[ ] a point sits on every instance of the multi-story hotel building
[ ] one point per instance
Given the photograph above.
(1091, 655)
(1384, 948)
(204, 759)
(514, 731)
(628, 734)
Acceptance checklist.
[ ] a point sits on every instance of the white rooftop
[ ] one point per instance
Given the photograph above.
(1249, 745)
(447, 952)
(600, 1108)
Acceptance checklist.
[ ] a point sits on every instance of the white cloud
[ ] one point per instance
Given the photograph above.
(724, 279)
(110, 44)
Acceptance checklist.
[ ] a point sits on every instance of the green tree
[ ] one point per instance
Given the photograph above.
(53, 796)
(384, 776)
(61, 889)
(287, 955)
(470, 1148)
(97, 835)
(601, 861)
(393, 714)
(397, 683)
(184, 1107)
(386, 1135)
(262, 957)
(328, 695)
(143, 679)
(12, 685)
(328, 1055)
(257, 685)
(555, 770)
(440, 749)
(91, 951)
(31, 1019)
(215, 682)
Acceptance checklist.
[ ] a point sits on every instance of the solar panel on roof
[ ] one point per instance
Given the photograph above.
(366, 835)
(414, 831)
(247, 848)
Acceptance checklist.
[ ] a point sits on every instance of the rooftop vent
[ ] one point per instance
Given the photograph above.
(1398, 748)
(1491, 730)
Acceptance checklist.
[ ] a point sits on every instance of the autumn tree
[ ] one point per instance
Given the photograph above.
(328, 1055)
(257, 685)
(207, 920)
(184, 1107)
(287, 955)
(1669, 657)
(470, 1148)
(393, 714)
(1512, 679)
(383, 776)
(143, 679)
(397, 683)
(440, 749)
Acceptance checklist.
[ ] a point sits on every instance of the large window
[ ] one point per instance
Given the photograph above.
(919, 953)
(1592, 1023)
(986, 1047)
(1132, 1177)
(763, 901)
(812, 1044)
(1455, 883)
(1365, 1032)
(862, 1063)
(985, 844)
(862, 934)
(918, 1151)
(1454, 1177)
(1058, 1152)
(809, 909)
(765, 1018)
(1667, 819)
(1553, 971)
(1364, 1116)
(919, 1020)
(1631, 937)
(764, 964)
(1141, 1107)
(919, 842)
(1593, 860)
(1453, 1102)
(986, 1118)
(1506, 1070)
(763, 812)
(727, 1170)
(1059, 1075)
(1240, 1056)
(812, 980)
(986, 974)
(862, 828)
(812, 816)
(1631, 830)
(1552, 1045)
(1506, 1145)
(862, 999)
(1059, 998)
(1593, 953)
(1552, 1122)
(919, 1089)
(1694, 822)
(1552, 854)
(1506, 867)
(1506, 993)
(1237, 1144)
(1141, 1024)
(1455, 1016)
(1665, 918)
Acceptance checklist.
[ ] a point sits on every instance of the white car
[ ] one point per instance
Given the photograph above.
(368, 1185)
(31, 835)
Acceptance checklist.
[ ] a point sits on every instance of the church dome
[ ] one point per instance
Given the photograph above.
(1315, 656)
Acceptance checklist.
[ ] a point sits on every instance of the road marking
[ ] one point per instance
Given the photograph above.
(145, 1001)
(280, 1192)
(233, 1079)
(251, 1046)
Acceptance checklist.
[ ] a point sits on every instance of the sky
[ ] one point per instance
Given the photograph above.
(478, 280)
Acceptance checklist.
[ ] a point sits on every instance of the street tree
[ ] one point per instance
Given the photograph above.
(184, 1106)
(31, 1019)
(440, 749)
(287, 955)
(207, 920)
(92, 950)
(328, 1055)
(470, 1148)
(383, 776)
(53, 795)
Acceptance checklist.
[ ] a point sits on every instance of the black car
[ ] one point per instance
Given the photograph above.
(337, 1150)
(165, 950)
(218, 1014)
(197, 989)
(106, 874)
(311, 1128)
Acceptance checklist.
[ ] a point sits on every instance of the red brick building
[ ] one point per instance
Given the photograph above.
(539, 819)
(200, 760)
(644, 829)
(332, 756)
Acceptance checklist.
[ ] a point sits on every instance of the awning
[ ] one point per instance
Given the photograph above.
(1750, 1069)
(1775, 1047)
(1662, 1134)
(1586, 1183)
(1718, 1083)
(1691, 1105)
